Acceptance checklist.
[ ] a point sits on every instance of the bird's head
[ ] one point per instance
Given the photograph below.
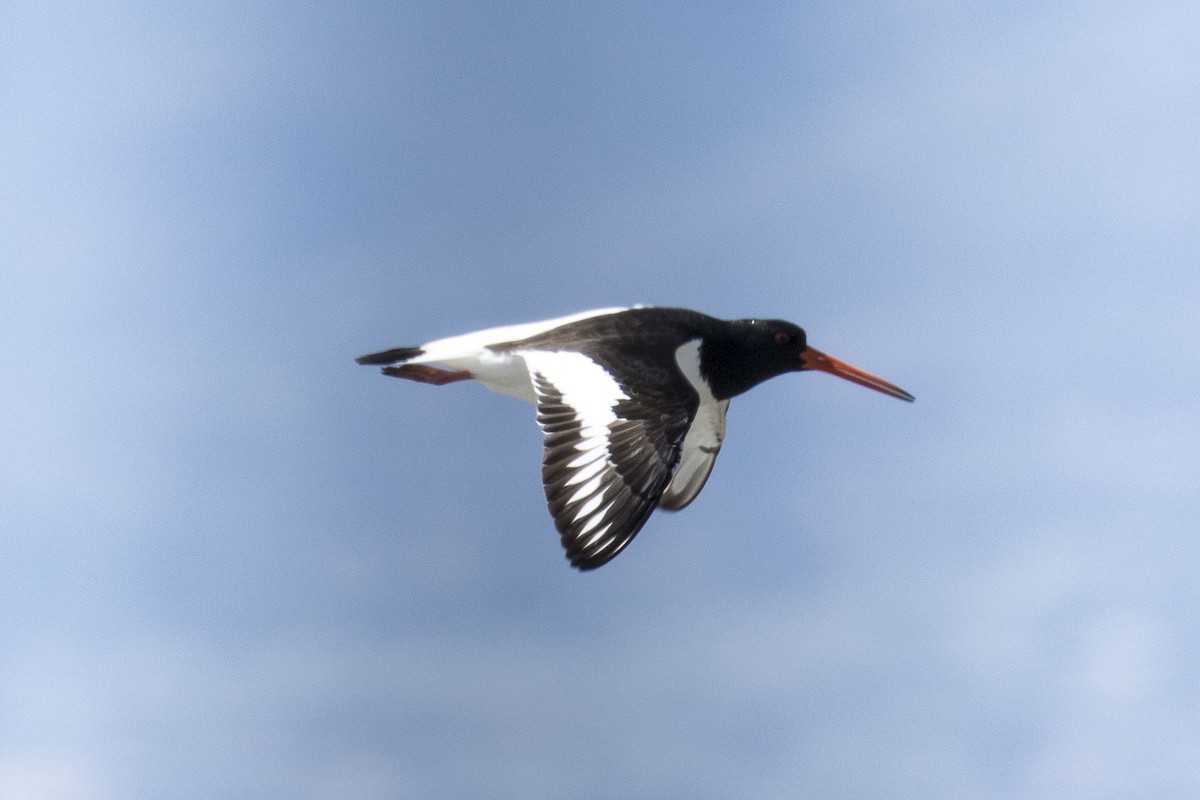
(764, 348)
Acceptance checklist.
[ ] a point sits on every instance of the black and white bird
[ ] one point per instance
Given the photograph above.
(632, 402)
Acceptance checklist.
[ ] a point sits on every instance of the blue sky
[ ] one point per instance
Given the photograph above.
(235, 564)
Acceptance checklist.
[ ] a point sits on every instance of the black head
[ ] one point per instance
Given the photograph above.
(750, 351)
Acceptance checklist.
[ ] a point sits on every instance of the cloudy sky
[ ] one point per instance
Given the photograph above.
(235, 564)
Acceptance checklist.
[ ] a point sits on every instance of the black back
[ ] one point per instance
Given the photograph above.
(638, 345)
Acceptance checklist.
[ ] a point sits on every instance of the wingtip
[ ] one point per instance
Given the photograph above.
(583, 563)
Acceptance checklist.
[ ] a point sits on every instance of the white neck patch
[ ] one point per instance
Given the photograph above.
(687, 356)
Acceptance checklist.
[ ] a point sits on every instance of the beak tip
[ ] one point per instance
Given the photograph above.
(816, 360)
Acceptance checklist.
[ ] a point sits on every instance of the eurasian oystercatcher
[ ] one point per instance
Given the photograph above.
(632, 402)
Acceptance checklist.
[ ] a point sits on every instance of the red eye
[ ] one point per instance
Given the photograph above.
(782, 337)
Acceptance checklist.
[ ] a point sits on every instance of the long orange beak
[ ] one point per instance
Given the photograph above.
(815, 359)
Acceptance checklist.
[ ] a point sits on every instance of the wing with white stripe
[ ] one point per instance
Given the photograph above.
(704, 438)
(700, 450)
(607, 457)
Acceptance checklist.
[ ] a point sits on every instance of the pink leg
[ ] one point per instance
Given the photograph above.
(423, 373)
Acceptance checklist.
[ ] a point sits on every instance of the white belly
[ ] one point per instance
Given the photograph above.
(505, 373)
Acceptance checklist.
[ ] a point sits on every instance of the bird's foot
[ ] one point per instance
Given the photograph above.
(422, 373)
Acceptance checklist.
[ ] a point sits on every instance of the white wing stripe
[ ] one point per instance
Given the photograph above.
(587, 472)
(591, 455)
(593, 522)
(583, 491)
(584, 384)
(597, 536)
(594, 441)
(590, 506)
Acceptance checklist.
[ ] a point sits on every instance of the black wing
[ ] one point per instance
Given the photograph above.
(605, 464)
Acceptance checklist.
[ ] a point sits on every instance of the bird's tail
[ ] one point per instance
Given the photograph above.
(393, 356)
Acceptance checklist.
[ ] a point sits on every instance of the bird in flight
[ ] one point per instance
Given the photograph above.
(632, 403)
